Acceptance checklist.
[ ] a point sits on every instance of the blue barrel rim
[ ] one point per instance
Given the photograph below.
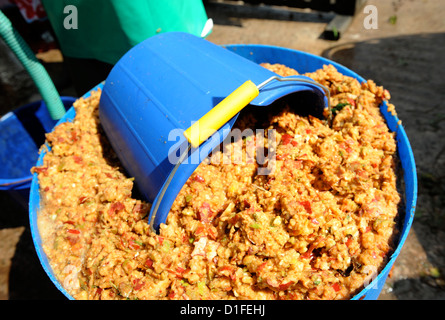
(366, 292)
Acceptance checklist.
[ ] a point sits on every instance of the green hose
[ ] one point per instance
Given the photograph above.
(37, 72)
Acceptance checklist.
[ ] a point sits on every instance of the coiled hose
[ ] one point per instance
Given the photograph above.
(35, 69)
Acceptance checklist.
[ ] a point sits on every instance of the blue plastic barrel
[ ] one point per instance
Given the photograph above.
(22, 132)
(302, 62)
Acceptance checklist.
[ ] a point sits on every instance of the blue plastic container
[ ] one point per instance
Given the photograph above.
(302, 62)
(175, 79)
(22, 132)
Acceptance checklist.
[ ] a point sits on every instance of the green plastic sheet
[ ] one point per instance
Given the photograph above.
(106, 29)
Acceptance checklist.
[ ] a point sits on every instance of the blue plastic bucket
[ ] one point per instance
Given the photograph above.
(303, 62)
(173, 89)
(22, 132)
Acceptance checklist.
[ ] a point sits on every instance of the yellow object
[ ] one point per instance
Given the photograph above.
(221, 113)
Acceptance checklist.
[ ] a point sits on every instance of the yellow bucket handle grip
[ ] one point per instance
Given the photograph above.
(221, 113)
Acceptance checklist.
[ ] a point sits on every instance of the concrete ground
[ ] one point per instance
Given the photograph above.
(404, 54)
